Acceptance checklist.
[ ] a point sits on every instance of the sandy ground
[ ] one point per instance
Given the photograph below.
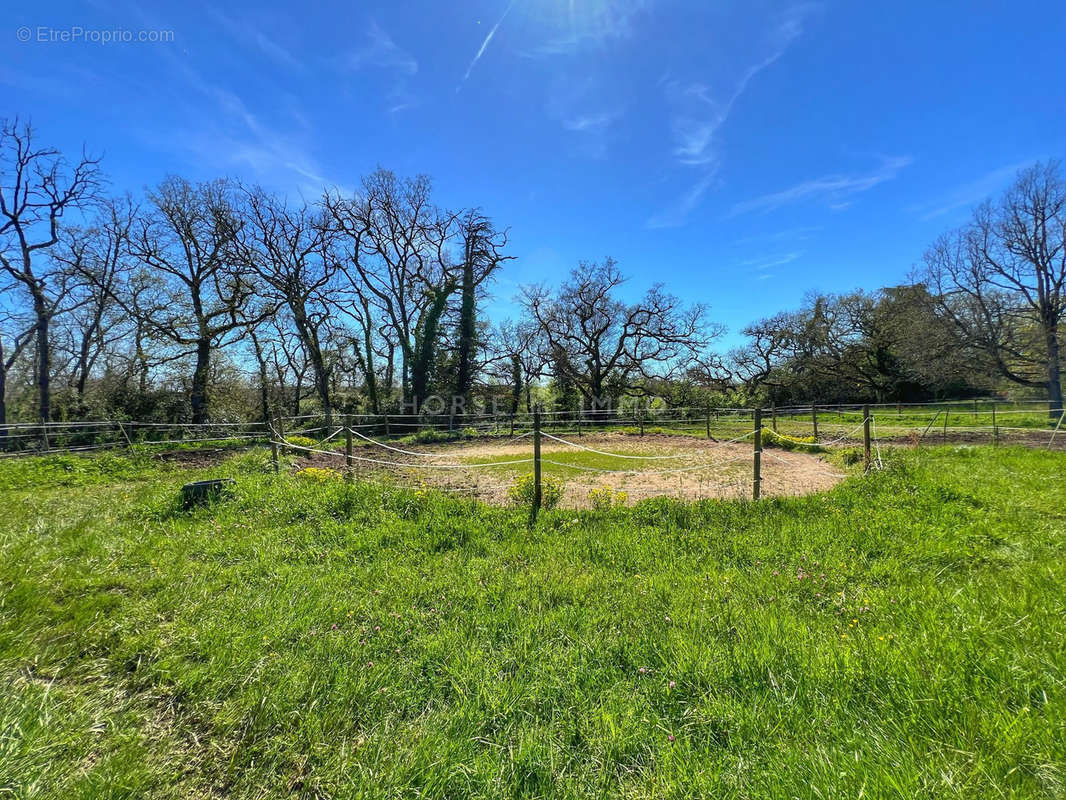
(696, 468)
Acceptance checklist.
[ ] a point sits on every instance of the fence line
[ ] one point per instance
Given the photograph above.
(84, 437)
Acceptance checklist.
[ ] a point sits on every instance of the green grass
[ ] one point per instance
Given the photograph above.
(311, 638)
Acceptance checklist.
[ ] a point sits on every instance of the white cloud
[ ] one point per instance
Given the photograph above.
(835, 190)
(379, 50)
(697, 112)
(677, 214)
(767, 262)
(247, 34)
(591, 122)
(592, 25)
(970, 193)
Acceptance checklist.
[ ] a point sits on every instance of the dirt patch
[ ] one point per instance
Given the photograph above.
(196, 459)
(684, 467)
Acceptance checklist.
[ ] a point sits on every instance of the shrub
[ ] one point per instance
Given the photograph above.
(318, 474)
(428, 436)
(469, 433)
(251, 461)
(606, 498)
(851, 455)
(772, 439)
(301, 441)
(522, 490)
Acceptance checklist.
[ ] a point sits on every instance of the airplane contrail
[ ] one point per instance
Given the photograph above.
(485, 45)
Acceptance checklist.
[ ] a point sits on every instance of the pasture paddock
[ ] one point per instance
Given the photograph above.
(656, 465)
(899, 636)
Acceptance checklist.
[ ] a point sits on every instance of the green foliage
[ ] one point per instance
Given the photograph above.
(303, 441)
(604, 498)
(805, 443)
(334, 639)
(428, 436)
(521, 492)
(469, 433)
(72, 470)
(850, 456)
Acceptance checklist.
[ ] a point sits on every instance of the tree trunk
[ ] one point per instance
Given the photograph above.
(264, 383)
(44, 361)
(82, 371)
(464, 378)
(1054, 373)
(199, 382)
(424, 348)
(366, 364)
(141, 361)
(516, 383)
(3, 391)
(390, 372)
(309, 338)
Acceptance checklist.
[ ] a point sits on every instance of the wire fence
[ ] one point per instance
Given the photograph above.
(688, 452)
(973, 421)
(717, 465)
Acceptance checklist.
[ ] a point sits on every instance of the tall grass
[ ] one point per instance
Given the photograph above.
(900, 636)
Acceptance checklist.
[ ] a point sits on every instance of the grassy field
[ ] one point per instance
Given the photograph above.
(901, 636)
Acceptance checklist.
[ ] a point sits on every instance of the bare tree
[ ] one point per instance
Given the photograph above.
(599, 342)
(24, 330)
(517, 355)
(288, 249)
(397, 257)
(482, 256)
(1002, 280)
(762, 361)
(37, 187)
(188, 240)
(404, 258)
(98, 258)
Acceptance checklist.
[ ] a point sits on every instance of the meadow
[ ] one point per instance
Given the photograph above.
(900, 635)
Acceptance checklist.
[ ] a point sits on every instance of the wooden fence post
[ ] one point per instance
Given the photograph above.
(814, 420)
(274, 446)
(757, 456)
(1051, 441)
(348, 448)
(995, 427)
(386, 425)
(944, 435)
(773, 415)
(930, 425)
(866, 437)
(708, 422)
(536, 462)
(126, 436)
(512, 424)
(640, 416)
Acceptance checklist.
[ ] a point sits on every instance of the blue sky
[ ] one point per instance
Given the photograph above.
(740, 153)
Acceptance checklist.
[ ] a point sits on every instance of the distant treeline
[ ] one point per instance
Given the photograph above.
(205, 301)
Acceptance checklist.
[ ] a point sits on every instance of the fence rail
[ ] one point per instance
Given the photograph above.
(994, 421)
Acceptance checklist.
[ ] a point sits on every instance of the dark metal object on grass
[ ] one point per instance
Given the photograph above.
(202, 492)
